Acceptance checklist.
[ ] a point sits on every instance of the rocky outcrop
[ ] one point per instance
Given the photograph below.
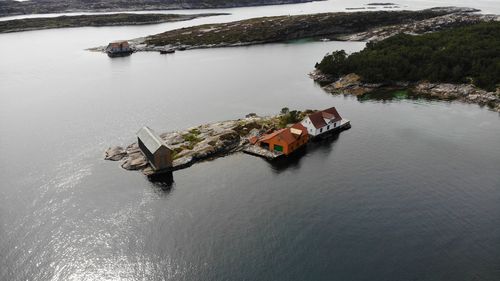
(463, 92)
(349, 84)
(115, 153)
(198, 143)
(352, 84)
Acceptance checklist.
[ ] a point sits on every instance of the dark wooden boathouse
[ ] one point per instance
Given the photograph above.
(119, 49)
(158, 154)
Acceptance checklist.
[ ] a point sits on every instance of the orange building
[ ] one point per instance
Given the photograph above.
(285, 140)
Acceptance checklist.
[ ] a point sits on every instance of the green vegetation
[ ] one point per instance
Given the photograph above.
(191, 137)
(91, 20)
(195, 131)
(287, 28)
(460, 55)
(289, 117)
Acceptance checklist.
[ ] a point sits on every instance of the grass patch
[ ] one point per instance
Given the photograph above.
(176, 151)
(195, 131)
(192, 138)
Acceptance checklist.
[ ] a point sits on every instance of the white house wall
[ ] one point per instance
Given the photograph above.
(314, 132)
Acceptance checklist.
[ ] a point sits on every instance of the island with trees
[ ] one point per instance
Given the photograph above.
(460, 63)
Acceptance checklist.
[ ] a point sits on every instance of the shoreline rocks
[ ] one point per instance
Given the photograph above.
(351, 84)
(462, 92)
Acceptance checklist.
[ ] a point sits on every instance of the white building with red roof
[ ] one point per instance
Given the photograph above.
(322, 122)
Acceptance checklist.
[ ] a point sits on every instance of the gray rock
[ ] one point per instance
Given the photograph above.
(115, 153)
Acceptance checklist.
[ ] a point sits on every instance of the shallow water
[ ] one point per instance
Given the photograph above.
(410, 192)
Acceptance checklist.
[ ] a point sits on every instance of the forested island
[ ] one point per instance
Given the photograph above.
(460, 63)
(12, 7)
(93, 20)
(332, 26)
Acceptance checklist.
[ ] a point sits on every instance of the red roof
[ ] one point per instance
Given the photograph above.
(118, 44)
(333, 111)
(318, 118)
(299, 126)
(284, 135)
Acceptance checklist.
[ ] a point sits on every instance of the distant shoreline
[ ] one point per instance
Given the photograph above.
(121, 19)
(31, 7)
(344, 26)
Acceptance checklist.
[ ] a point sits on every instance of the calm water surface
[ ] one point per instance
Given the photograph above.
(411, 192)
(486, 6)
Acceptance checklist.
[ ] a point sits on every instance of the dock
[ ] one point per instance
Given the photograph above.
(261, 152)
(345, 124)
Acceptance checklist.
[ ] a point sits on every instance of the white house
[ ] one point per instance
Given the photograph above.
(322, 121)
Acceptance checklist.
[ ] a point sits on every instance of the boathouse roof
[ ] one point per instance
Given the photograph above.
(284, 135)
(117, 44)
(150, 139)
(298, 129)
(318, 118)
(287, 135)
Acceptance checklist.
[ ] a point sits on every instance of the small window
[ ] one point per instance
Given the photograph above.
(334, 125)
(328, 127)
(321, 130)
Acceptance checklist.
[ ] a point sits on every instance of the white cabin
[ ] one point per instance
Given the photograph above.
(322, 121)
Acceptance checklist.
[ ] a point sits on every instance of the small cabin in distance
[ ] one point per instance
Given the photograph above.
(158, 154)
